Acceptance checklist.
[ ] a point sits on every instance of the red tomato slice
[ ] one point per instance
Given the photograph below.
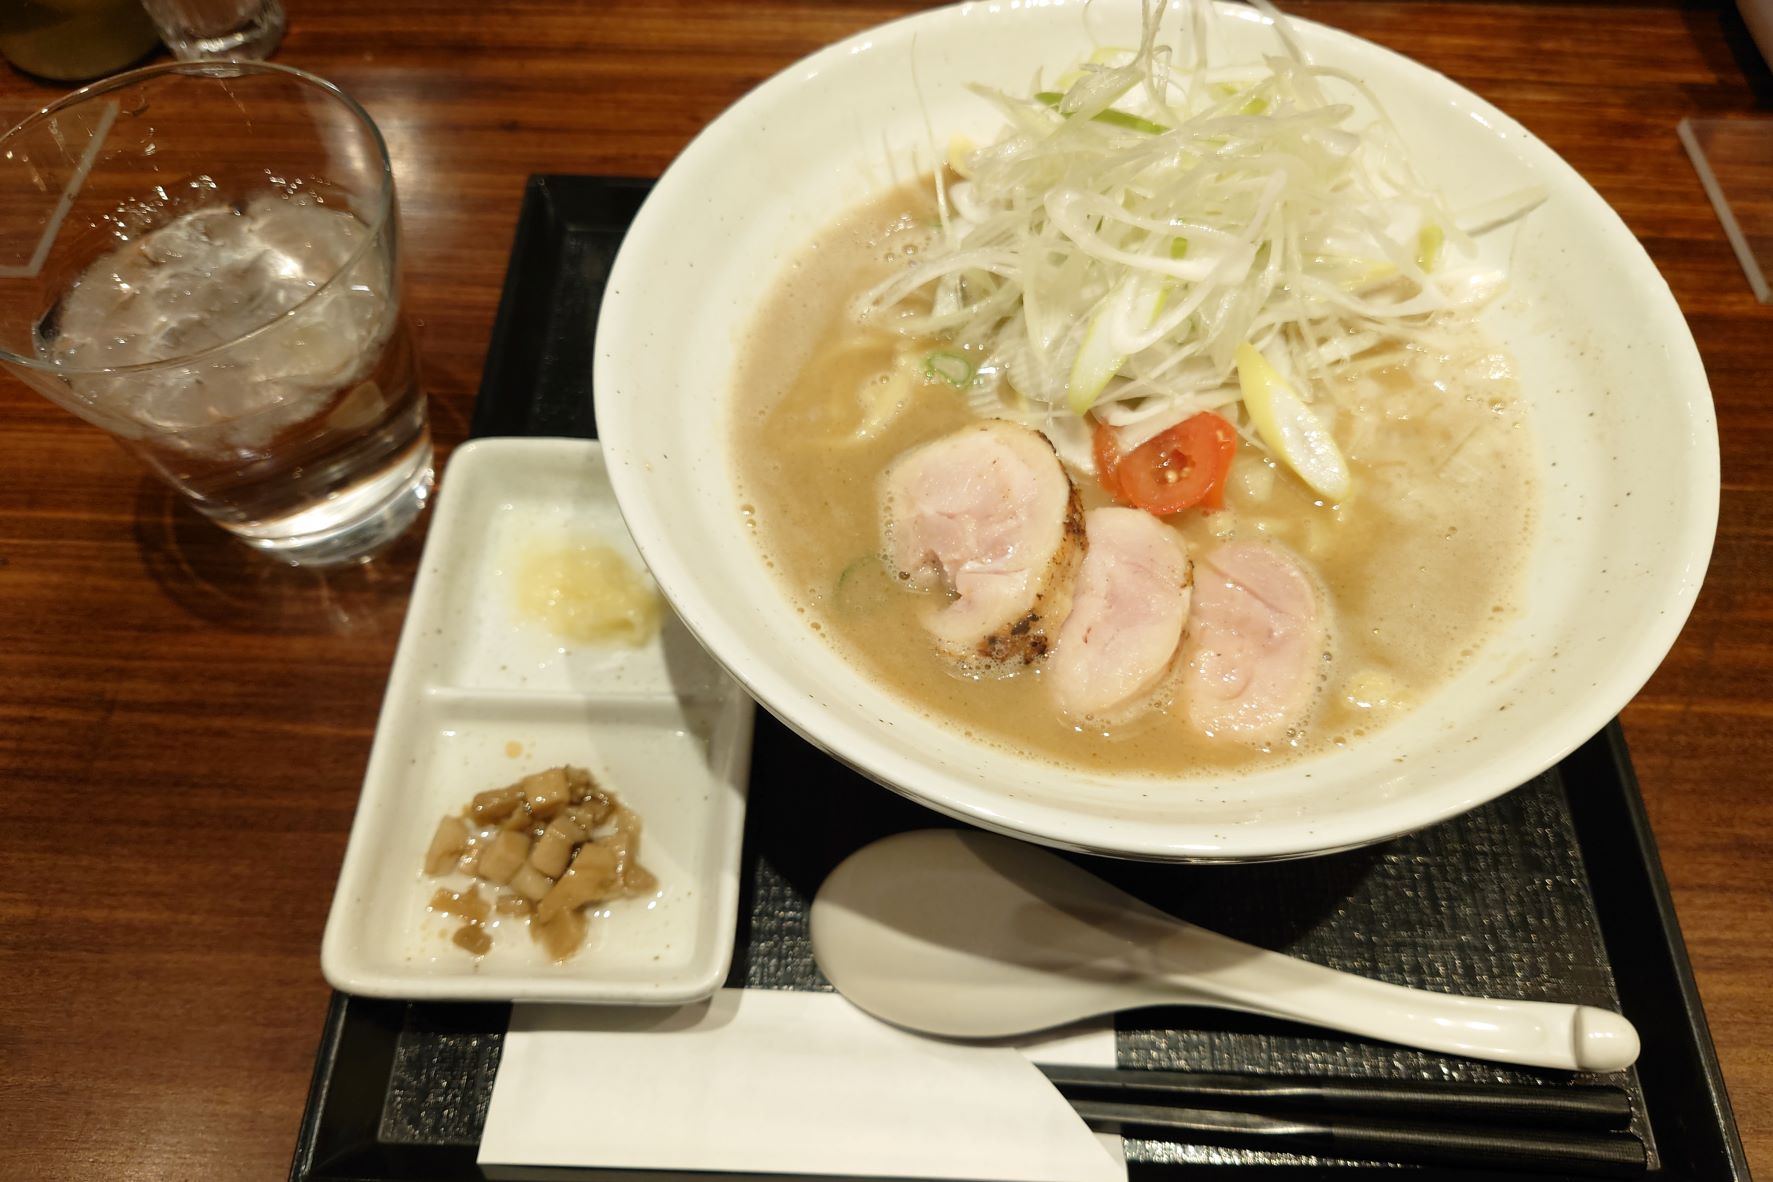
(1183, 467)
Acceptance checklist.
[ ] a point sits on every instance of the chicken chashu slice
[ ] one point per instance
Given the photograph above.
(1118, 647)
(989, 515)
(1257, 638)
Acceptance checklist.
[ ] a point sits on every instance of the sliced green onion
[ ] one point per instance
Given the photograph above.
(1094, 260)
(1288, 426)
(1428, 245)
(1136, 298)
(952, 368)
(1142, 300)
(853, 570)
(1096, 364)
(859, 587)
(1112, 117)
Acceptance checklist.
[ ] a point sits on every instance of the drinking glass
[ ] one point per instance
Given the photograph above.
(204, 29)
(203, 259)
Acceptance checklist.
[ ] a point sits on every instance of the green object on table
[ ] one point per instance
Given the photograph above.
(73, 40)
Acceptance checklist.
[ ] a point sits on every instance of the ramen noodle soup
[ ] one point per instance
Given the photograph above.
(1158, 437)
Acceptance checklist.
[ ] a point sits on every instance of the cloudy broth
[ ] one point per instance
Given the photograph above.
(1419, 564)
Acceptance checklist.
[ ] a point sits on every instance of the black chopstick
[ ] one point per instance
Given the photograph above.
(1573, 1106)
(1566, 1152)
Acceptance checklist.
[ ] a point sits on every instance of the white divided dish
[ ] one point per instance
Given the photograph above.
(481, 694)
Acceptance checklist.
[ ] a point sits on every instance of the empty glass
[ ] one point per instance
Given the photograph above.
(203, 260)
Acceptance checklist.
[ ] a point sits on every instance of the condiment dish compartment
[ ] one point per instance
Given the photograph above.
(514, 502)
(660, 726)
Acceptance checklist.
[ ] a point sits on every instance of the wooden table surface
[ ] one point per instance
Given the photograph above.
(160, 989)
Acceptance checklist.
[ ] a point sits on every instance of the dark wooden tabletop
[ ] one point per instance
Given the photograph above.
(183, 727)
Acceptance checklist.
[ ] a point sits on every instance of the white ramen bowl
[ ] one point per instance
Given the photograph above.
(1621, 412)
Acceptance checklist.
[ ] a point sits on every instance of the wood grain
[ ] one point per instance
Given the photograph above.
(160, 976)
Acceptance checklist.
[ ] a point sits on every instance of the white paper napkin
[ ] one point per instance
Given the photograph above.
(785, 1082)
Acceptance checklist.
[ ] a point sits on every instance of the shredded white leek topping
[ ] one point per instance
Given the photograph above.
(1154, 212)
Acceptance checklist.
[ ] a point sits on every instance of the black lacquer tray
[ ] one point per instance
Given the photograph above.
(1553, 892)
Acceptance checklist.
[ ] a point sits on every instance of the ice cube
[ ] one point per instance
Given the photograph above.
(220, 275)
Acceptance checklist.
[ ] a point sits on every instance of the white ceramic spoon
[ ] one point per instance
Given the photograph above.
(968, 935)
